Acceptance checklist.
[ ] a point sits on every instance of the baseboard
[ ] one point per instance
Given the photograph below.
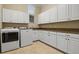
(9, 51)
(53, 47)
(36, 40)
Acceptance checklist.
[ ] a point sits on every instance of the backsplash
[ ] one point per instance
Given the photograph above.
(14, 25)
(65, 25)
(18, 25)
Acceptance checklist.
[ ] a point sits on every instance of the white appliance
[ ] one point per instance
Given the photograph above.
(9, 39)
(26, 37)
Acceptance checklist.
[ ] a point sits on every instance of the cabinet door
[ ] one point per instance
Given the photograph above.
(26, 18)
(52, 40)
(40, 19)
(43, 17)
(63, 12)
(19, 17)
(62, 43)
(40, 34)
(73, 46)
(9, 15)
(44, 36)
(74, 11)
(35, 35)
(6, 15)
(53, 14)
(14, 16)
(46, 16)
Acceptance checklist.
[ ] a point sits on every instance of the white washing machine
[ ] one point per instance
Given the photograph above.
(9, 39)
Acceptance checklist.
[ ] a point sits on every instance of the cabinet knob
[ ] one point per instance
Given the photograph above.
(48, 35)
(68, 39)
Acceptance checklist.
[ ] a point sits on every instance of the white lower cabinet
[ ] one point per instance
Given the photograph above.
(40, 35)
(48, 37)
(45, 36)
(73, 45)
(53, 40)
(62, 43)
(35, 35)
(68, 43)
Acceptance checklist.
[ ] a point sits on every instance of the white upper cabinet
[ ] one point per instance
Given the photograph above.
(20, 17)
(53, 15)
(43, 17)
(74, 11)
(23, 17)
(56, 14)
(40, 19)
(6, 15)
(46, 17)
(26, 18)
(62, 12)
(14, 16)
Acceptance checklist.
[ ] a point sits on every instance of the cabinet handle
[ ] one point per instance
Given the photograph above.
(48, 35)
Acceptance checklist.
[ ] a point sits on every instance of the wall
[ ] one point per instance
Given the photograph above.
(1, 14)
(45, 7)
(19, 7)
(37, 11)
(15, 25)
(65, 25)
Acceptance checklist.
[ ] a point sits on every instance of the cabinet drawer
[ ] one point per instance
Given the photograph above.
(74, 36)
(60, 33)
(53, 32)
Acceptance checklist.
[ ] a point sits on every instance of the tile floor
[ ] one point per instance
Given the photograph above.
(35, 48)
